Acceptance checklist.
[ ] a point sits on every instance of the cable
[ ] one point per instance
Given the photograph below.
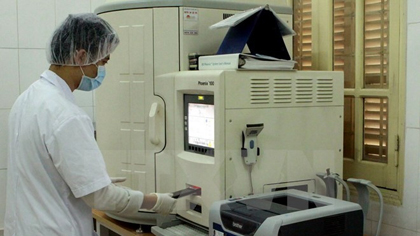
(346, 187)
(381, 211)
(250, 179)
(363, 191)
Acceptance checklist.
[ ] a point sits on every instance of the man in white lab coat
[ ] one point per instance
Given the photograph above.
(56, 172)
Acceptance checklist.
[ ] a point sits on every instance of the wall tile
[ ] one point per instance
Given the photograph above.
(402, 217)
(413, 76)
(413, 136)
(83, 98)
(89, 111)
(96, 3)
(94, 98)
(388, 230)
(3, 175)
(94, 108)
(36, 22)
(367, 230)
(9, 77)
(64, 8)
(411, 167)
(413, 9)
(32, 63)
(8, 23)
(4, 118)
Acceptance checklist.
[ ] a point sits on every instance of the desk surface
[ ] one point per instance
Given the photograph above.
(118, 227)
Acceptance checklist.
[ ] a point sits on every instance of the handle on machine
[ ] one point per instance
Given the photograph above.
(153, 113)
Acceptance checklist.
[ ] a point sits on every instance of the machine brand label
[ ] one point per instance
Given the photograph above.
(237, 225)
(206, 83)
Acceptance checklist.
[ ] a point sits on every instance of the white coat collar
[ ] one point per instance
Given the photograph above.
(58, 82)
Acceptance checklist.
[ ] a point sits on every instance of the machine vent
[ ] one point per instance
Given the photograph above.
(226, 15)
(260, 90)
(282, 91)
(304, 90)
(324, 90)
(290, 90)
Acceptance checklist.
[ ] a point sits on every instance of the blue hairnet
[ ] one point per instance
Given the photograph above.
(81, 31)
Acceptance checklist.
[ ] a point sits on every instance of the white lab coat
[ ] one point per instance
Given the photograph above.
(54, 160)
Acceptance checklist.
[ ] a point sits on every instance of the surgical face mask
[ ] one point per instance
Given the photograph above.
(88, 84)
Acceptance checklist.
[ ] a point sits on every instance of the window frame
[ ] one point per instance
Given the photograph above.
(322, 59)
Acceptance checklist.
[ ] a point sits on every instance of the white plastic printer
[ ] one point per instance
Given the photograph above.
(286, 213)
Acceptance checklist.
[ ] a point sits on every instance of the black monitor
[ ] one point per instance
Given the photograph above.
(199, 124)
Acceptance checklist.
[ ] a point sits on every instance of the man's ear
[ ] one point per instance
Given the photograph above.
(80, 57)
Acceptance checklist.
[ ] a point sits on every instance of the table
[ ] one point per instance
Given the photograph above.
(106, 226)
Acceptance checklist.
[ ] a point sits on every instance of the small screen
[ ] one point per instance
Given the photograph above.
(199, 124)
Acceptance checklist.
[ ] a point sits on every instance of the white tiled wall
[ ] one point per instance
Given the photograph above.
(4, 113)
(2, 203)
(36, 22)
(63, 8)
(8, 24)
(3, 163)
(32, 63)
(9, 77)
(413, 81)
(413, 11)
(413, 105)
(9, 80)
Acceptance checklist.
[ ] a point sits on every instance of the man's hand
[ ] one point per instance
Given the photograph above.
(164, 204)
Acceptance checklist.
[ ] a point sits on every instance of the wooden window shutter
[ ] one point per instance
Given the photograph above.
(344, 40)
(376, 43)
(302, 41)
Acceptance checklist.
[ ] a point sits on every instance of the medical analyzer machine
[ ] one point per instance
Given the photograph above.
(234, 133)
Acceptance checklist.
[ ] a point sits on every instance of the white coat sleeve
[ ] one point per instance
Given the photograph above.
(76, 155)
(115, 199)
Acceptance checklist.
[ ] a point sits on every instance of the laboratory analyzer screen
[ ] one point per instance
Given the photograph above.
(199, 124)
